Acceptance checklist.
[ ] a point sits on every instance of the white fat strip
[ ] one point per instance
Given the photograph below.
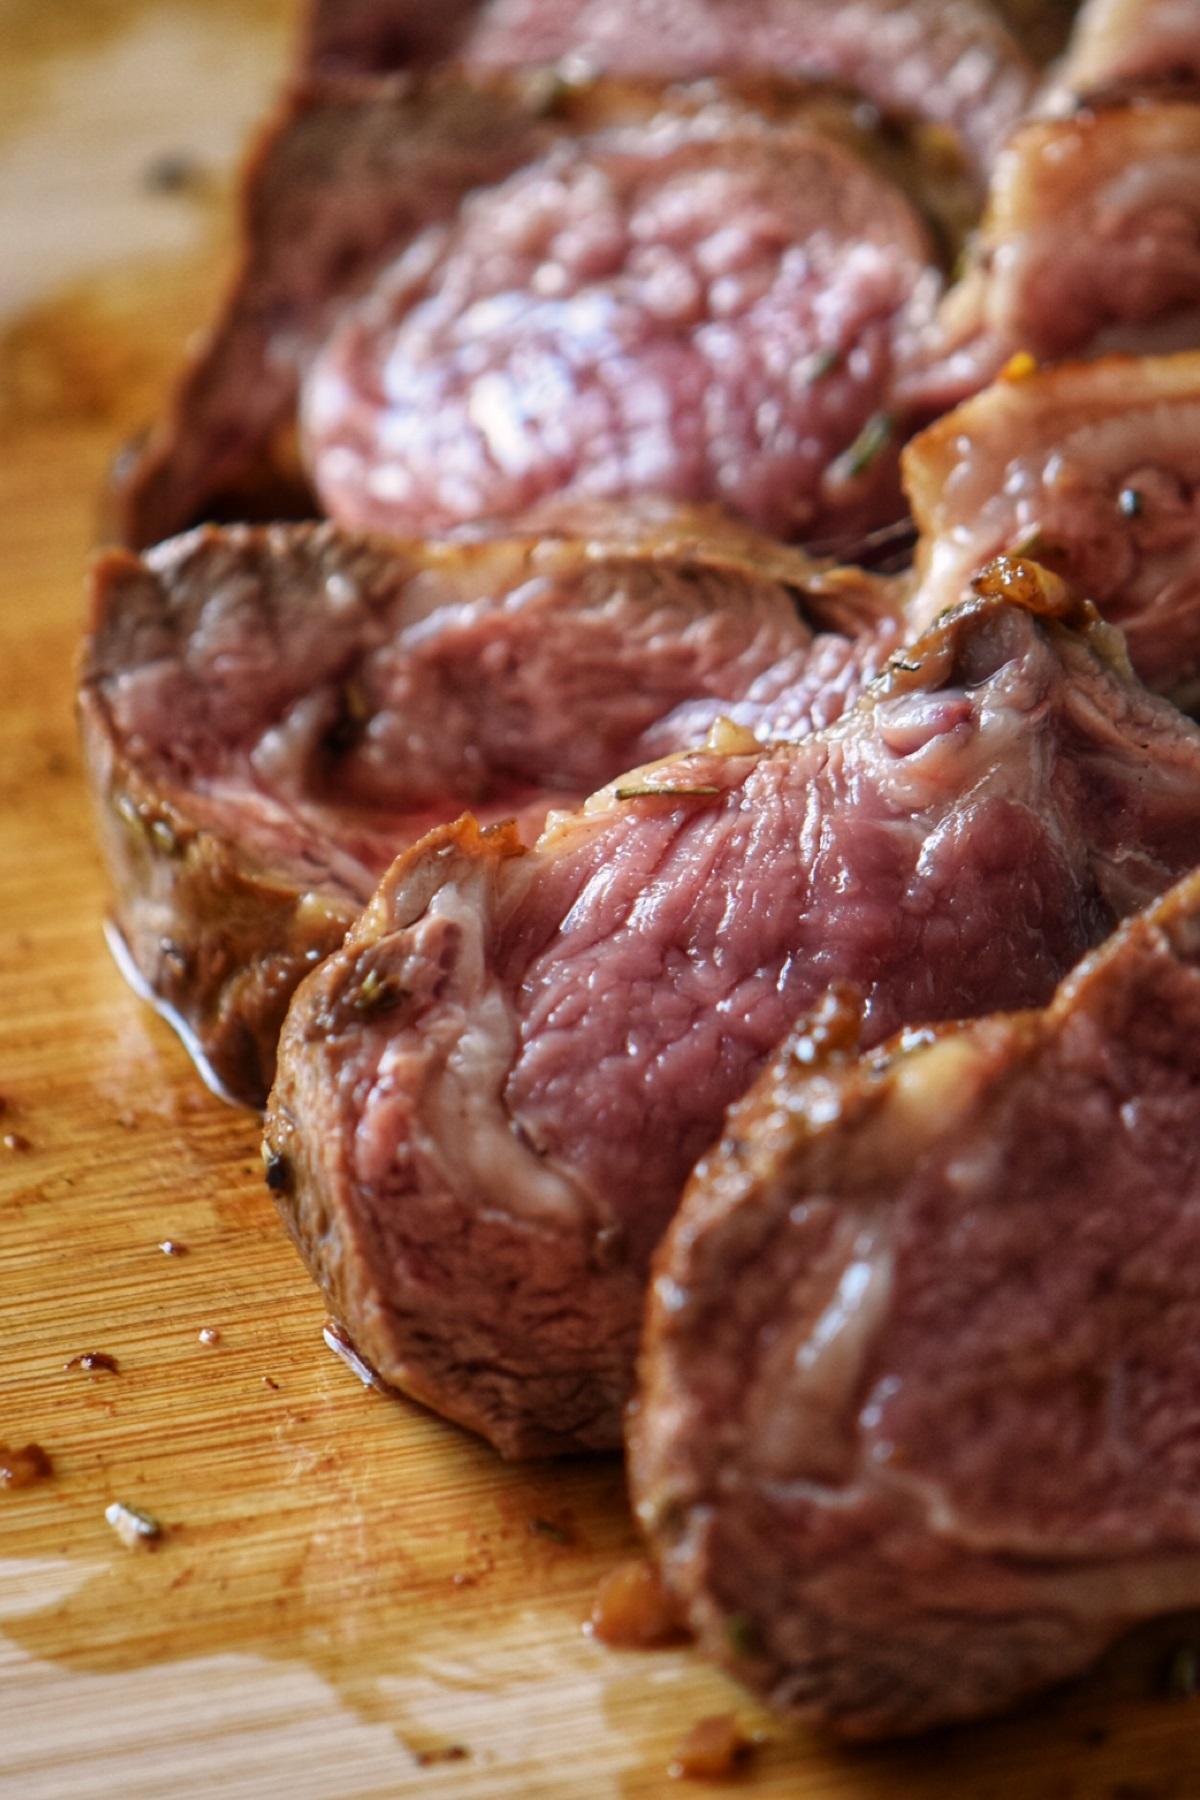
(802, 1419)
(467, 1122)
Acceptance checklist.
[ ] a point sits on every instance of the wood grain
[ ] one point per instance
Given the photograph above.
(351, 1599)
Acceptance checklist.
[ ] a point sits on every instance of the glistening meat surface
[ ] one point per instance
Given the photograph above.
(1090, 243)
(705, 310)
(1094, 469)
(478, 1165)
(270, 716)
(345, 176)
(917, 1425)
(340, 183)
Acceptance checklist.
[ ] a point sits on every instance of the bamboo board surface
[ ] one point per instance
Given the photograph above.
(351, 1599)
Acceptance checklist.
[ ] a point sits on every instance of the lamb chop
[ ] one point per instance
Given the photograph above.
(916, 1434)
(1091, 466)
(487, 1103)
(270, 715)
(343, 181)
(710, 309)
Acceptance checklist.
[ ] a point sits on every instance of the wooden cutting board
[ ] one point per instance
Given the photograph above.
(350, 1598)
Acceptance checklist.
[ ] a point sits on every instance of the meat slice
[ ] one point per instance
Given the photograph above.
(917, 1425)
(1131, 45)
(346, 175)
(343, 176)
(1090, 244)
(702, 311)
(1094, 469)
(955, 64)
(271, 715)
(478, 1168)
(341, 182)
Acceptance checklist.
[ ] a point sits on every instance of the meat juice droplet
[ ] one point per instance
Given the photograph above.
(21, 1467)
(94, 1362)
(713, 1749)
(632, 1610)
(210, 1336)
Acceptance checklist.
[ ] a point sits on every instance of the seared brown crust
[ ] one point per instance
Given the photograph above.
(1032, 406)
(830, 595)
(1124, 175)
(853, 1594)
(218, 945)
(457, 1345)
(218, 940)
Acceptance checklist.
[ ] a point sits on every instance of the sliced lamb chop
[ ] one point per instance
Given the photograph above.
(1090, 244)
(1095, 470)
(342, 181)
(952, 63)
(271, 715)
(706, 310)
(917, 1432)
(488, 1101)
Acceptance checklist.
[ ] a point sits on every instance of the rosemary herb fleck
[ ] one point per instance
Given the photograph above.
(669, 793)
(868, 446)
(376, 992)
(744, 1639)
(355, 702)
(820, 364)
(1181, 1677)
(551, 1529)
